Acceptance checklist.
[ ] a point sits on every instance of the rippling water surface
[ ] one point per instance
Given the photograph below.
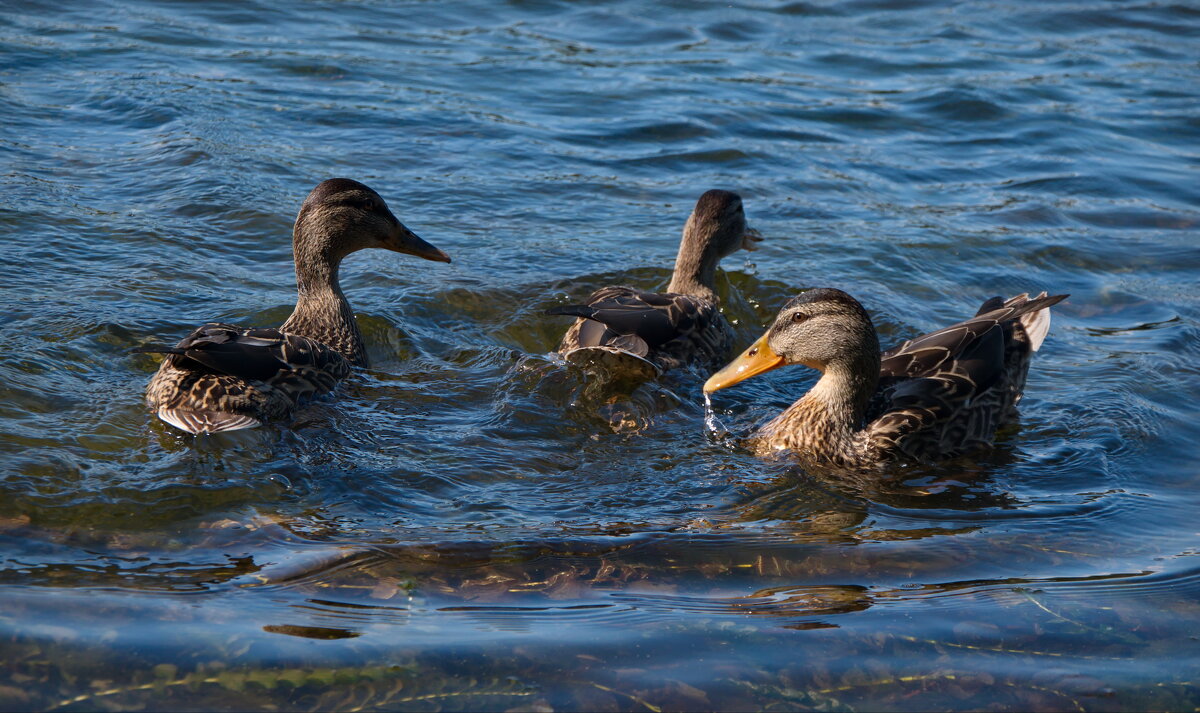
(468, 525)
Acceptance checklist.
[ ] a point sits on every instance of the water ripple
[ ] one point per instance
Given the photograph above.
(471, 494)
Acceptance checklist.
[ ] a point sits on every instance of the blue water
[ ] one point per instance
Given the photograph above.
(469, 525)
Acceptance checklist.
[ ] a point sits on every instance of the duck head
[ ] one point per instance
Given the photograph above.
(822, 329)
(715, 229)
(341, 216)
(717, 225)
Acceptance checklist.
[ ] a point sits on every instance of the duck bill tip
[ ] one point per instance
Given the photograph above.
(410, 243)
(757, 359)
(436, 256)
(750, 239)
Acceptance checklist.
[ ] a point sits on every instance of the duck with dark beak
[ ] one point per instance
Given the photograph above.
(407, 242)
(632, 335)
(223, 377)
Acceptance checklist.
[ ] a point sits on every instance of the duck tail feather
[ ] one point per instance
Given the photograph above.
(1036, 321)
(202, 422)
(1037, 326)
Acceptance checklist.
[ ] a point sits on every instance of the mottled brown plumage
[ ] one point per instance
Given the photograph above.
(932, 397)
(636, 333)
(223, 378)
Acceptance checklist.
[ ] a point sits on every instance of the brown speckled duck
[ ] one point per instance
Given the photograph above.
(223, 378)
(932, 397)
(643, 333)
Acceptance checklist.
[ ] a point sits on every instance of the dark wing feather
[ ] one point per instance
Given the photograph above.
(982, 360)
(926, 383)
(653, 317)
(937, 351)
(266, 355)
(597, 334)
(990, 304)
(668, 329)
(255, 355)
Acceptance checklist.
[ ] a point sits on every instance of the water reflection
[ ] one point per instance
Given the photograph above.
(471, 525)
(800, 604)
(320, 633)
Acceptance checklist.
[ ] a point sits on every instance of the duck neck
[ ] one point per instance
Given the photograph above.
(828, 420)
(695, 271)
(322, 312)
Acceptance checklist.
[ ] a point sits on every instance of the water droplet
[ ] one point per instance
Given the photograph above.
(711, 423)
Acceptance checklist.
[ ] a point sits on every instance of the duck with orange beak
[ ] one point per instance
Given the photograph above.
(933, 397)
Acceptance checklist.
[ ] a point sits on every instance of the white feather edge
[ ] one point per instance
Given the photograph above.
(1037, 326)
(201, 422)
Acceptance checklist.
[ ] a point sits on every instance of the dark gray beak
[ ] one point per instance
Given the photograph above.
(749, 239)
(406, 241)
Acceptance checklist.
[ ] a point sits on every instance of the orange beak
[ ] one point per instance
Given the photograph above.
(755, 360)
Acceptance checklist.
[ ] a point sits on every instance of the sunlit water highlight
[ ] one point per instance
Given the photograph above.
(711, 422)
(473, 524)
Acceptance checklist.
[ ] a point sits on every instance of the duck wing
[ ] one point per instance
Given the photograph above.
(959, 345)
(225, 378)
(636, 320)
(266, 355)
(949, 389)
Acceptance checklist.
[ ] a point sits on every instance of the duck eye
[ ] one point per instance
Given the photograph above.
(799, 317)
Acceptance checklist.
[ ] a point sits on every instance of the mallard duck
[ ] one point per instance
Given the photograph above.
(643, 333)
(932, 397)
(222, 377)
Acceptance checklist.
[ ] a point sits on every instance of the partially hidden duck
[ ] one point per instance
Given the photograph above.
(223, 377)
(933, 397)
(640, 333)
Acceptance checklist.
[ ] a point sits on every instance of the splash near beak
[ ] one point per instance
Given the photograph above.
(749, 238)
(406, 241)
(755, 360)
